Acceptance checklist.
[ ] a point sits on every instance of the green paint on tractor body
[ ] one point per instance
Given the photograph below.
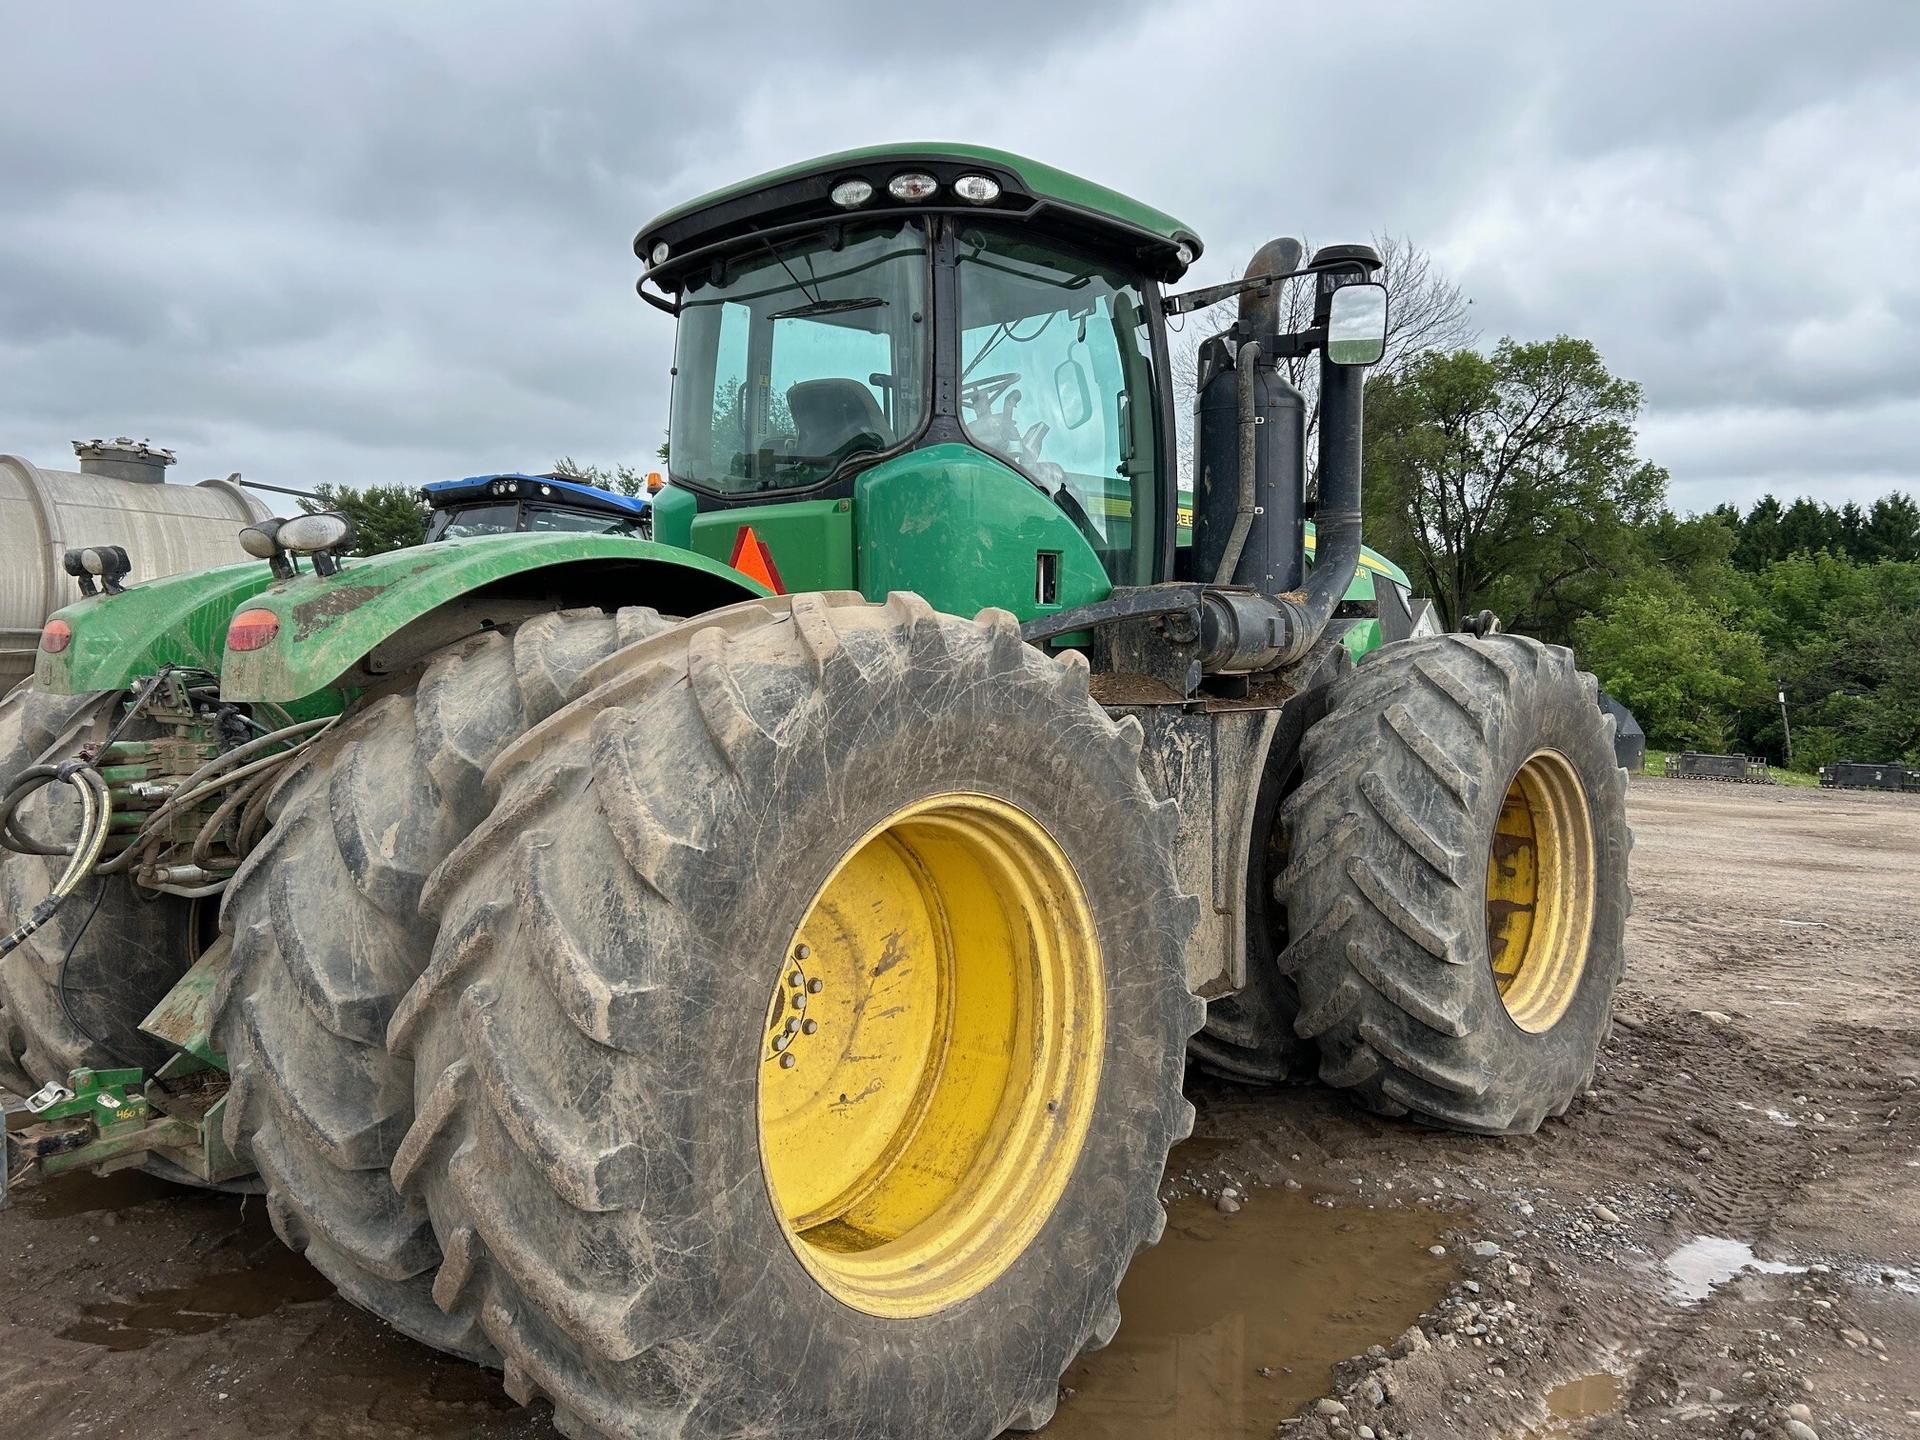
(118, 640)
(811, 541)
(329, 624)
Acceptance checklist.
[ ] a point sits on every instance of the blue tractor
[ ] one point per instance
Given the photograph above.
(513, 503)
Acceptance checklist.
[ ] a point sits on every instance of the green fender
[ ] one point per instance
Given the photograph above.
(329, 624)
(176, 620)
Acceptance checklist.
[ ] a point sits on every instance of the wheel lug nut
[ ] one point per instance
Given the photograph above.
(794, 979)
(801, 952)
(799, 1002)
(786, 1062)
(814, 987)
(780, 1042)
(810, 1027)
(792, 1026)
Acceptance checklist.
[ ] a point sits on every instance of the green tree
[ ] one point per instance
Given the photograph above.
(1510, 481)
(621, 479)
(1683, 670)
(1892, 529)
(385, 517)
(1759, 535)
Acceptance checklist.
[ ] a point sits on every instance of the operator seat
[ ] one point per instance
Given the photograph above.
(835, 417)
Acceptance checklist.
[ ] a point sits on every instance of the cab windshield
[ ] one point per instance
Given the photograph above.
(792, 360)
(510, 517)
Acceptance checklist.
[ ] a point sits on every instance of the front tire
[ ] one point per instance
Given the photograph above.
(1458, 893)
(656, 1228)
(327, 935)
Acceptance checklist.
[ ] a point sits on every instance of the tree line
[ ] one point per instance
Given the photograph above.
(1510, 480)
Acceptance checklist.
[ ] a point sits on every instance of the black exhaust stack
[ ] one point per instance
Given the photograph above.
(1250, 471)
(1250, 428)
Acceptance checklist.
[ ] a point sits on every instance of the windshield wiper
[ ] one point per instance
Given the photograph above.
(828, 307)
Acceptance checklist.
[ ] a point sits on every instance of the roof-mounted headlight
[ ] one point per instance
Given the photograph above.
(310, 534)
(852, 194)
(977, 189)
(912, 185)
(257, 540)
(658, 255)
(108, 562)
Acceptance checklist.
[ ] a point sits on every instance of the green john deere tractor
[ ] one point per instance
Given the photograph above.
(774, 1020)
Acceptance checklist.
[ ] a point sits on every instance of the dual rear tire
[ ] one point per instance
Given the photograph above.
(1456, 891)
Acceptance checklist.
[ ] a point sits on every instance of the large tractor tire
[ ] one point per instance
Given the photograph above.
(1458, 889)
(327, 936)
(74, 993)
(803, 1040)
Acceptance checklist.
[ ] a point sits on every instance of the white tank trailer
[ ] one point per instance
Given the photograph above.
(118, 496)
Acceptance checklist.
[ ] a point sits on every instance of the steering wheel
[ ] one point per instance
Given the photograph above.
(1030, 445)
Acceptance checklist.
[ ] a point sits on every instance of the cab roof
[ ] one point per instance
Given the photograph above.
(558, 490)
(798, 195)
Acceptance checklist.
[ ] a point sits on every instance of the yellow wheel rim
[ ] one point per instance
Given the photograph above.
(931, 1054)
(1540, 886)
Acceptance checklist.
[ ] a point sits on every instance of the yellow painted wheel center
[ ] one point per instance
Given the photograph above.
(1540, 886)
(931, 1054)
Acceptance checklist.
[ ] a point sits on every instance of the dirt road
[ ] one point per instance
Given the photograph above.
(1757, 1102)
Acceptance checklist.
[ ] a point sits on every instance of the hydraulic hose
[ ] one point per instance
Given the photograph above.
(218, 773)
(96, 814)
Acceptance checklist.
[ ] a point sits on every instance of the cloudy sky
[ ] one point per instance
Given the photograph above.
(373, 242)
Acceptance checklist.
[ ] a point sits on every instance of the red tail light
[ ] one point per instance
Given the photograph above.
(251, 629)
(56, 637)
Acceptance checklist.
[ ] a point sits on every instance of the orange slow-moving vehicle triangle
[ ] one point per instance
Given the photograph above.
(752, 558)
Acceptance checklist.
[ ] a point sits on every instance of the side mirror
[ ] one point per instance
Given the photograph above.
(1070, 392)
(1357, 324)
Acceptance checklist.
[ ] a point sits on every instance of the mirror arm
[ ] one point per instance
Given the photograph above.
(659, 302)
(1213, 294)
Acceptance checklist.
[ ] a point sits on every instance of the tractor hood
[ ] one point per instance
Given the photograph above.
(116, 640)
(308, 633)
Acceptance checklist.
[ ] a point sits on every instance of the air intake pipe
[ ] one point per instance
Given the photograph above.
(1245, 633)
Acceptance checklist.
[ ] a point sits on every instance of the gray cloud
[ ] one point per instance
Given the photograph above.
(383, 243)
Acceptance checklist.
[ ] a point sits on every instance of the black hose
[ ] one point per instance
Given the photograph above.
(1337, 522)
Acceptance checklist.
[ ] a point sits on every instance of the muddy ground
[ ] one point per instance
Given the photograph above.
(1757, 1101)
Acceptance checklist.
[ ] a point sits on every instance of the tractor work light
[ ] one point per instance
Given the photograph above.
(252, 629)
(912, 185)
(57, 635)
(658, 255)
(977, 189)
(852, 194)
(258, 540)
(309, 534)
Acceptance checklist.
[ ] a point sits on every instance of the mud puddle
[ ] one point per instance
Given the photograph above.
(1571, 1405)
(1233, 1322)
(1709, 1260)
(83, 1194)
(212, 1300)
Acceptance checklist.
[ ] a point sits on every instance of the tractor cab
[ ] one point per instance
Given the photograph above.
(951, 332)
(517, 504)
(945, 369)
